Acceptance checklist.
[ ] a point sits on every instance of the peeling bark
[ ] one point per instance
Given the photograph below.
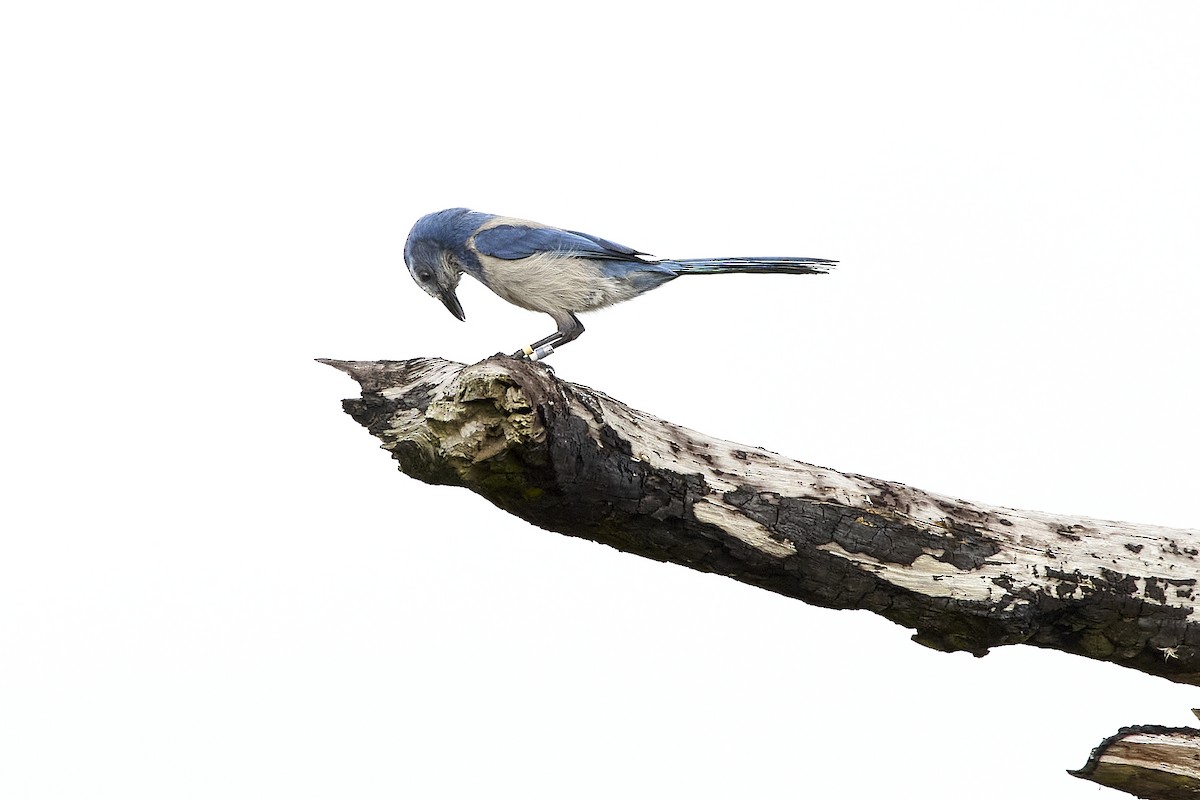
(965, 576)
(1148, 761)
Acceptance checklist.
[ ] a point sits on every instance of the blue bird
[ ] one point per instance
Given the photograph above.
(555, 271)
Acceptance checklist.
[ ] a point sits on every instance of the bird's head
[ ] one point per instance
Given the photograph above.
(434, 272)
(435, 251)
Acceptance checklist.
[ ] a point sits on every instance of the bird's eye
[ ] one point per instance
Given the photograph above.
(424, 276)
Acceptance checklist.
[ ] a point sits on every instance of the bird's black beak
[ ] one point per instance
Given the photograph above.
(450, 301)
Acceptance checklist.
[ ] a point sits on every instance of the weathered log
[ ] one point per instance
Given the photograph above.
(1148, 761)
(965, 576)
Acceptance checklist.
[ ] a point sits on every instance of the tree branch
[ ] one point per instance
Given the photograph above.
(1149, 761)
(965, 576)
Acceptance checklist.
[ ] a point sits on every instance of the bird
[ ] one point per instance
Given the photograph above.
(553, 270)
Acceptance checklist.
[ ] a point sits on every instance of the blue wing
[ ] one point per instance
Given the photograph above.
(511, 242)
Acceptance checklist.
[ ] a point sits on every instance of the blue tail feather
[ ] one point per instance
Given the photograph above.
(779, 264)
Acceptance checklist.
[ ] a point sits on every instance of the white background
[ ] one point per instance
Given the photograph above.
(213, 584)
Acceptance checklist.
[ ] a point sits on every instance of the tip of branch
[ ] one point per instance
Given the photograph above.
(373, 375)
(357, 370)
(370, 372)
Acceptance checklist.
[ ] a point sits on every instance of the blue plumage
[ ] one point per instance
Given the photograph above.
(552, 270)
(521, 241)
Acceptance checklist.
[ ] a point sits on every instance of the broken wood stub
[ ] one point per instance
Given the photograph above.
(965, 576)
(1148, 761)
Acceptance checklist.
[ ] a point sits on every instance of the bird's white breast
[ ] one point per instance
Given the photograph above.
(553, 283)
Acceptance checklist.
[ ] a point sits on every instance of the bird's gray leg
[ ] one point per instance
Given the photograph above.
(572, 332)
(569, 330)
(546, 340)
(530, 350)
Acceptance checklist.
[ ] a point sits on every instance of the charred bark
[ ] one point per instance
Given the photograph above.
(964, 576)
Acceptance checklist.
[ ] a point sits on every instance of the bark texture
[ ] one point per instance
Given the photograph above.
(965, 576)
(1148, 761)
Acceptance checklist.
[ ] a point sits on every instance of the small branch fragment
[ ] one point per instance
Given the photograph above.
(1148, 761)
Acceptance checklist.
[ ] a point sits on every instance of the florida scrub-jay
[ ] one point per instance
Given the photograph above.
(555, 271)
